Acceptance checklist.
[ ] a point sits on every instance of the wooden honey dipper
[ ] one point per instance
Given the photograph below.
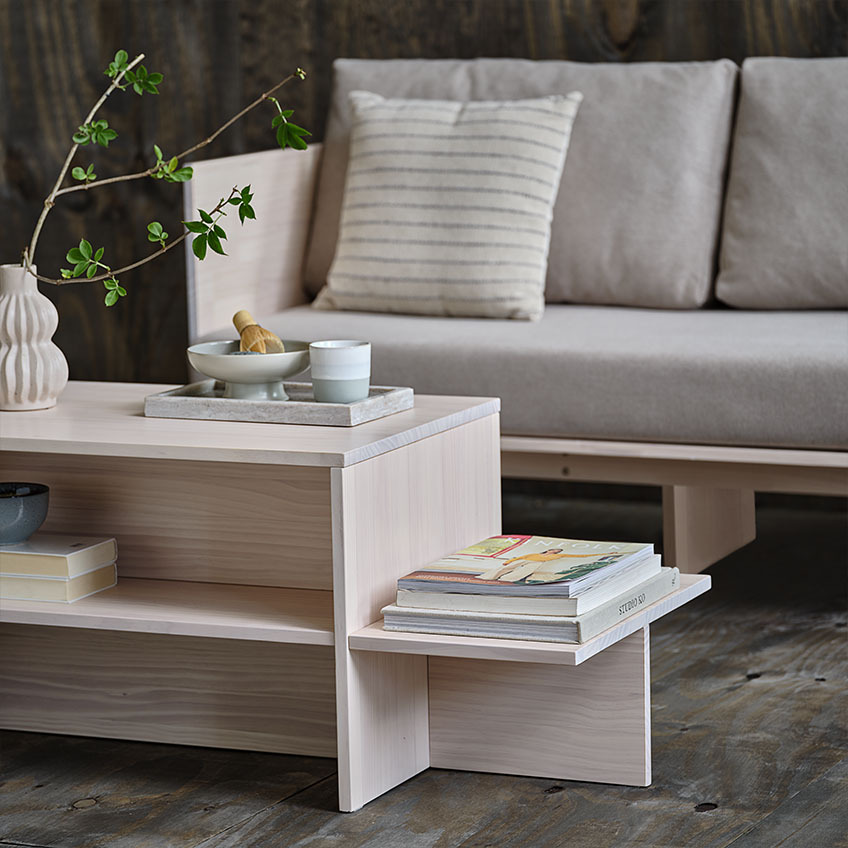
(255, 338)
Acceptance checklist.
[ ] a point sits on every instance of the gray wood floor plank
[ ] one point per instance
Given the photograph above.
(73, 792)
(815, 816)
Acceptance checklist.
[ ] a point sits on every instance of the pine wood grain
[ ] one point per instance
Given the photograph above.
(218, 522)
(213, 610)
(592, 723)
(394, 514)
(106, 420)
(210, 692)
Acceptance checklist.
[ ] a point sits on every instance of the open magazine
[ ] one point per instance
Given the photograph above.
(540, 566)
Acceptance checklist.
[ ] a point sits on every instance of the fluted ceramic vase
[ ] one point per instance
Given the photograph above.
(33, 371)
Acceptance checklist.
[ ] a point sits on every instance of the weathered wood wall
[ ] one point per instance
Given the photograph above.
(218, 54)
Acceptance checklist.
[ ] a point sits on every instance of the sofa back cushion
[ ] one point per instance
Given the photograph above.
(448, 205)
(785, 239)
(638, 208)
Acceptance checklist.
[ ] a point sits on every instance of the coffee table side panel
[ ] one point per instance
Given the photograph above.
(589, 722)
(213, 522)
(392, 514)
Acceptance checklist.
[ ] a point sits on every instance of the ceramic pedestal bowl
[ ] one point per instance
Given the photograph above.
(23, 508)
(249, 376)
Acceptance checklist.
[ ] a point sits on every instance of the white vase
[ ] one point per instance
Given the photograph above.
(33, 371)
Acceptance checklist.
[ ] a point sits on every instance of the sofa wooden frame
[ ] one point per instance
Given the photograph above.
(708, 490)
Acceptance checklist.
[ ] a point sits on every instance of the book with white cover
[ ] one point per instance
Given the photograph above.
(529, 604)
(57, 555)
(542, 566)
(537, 628)
(65, 590)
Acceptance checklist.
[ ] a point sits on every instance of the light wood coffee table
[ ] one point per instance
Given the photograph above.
(253, 563)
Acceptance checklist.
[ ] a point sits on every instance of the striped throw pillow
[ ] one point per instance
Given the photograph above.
(447, 206)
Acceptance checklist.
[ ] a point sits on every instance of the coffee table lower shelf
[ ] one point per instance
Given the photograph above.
(568, 712)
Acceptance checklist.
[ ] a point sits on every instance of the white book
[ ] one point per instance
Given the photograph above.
(57, 555)
(64, 590)
(538, 628)
(528, 604)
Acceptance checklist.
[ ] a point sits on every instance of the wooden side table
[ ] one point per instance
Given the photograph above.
(253, 562)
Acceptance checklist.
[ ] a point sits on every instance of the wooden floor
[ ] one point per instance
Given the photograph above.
(749, 733)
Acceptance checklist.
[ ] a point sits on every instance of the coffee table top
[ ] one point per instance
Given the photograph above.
(107, 419)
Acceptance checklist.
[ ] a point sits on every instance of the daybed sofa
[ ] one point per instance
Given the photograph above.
(695, 334)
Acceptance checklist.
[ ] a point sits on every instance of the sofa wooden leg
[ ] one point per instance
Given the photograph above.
(703, 525)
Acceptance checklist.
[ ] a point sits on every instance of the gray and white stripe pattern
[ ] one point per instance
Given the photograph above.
(447, 206)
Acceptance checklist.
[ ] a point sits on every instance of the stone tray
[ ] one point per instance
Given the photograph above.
(206, 400)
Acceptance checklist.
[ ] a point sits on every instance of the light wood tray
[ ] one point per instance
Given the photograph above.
(206, 400)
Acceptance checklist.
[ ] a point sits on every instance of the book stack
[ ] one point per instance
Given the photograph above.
(52, 567)
(531, 587)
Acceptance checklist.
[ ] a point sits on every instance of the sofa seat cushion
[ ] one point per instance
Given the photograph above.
(707, 376)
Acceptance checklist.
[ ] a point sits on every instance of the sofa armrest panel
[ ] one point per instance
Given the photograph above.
(262, 271)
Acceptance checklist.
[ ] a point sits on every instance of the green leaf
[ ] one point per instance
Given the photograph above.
(74, 255)
(278, 119)
(130, 76)
(80, 267)
(192, 227)
(121, 291)
(215, 243)
(245, 193)
(205, 216)
(158, 151)
(172, 164)
(91, 271)
(219, 231)
(234, 201)
(78, 173)
(248, 211)
(294, 128)
(199, 247)
(155, 78)
(137, 88)
(297, 142)
(81, 138)
(85, 249)
(287, 113)
(181, 175)
(66, 273)
(163, 237)
(241, 215)
(111, 283)
(111, 298)
(121, 58)
(155, 227)
(98, 254)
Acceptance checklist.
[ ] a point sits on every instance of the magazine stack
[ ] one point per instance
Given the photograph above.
(531, 587)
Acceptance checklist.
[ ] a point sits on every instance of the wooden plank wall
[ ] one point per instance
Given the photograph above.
(218, 54)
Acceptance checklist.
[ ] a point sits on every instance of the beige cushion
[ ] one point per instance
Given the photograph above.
(721, 376)
(639, 201)
(785, 240)
(447, 206)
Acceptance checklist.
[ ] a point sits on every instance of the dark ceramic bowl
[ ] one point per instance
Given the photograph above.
(23, 508)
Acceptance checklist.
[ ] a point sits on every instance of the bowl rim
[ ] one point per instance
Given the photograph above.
(37, 488)
(193, 349)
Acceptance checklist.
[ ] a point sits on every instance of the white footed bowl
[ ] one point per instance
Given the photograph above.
(249, 376)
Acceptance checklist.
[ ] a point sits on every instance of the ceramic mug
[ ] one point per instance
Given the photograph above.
(341, 370)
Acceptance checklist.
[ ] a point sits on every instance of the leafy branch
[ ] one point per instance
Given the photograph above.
(87, 262)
